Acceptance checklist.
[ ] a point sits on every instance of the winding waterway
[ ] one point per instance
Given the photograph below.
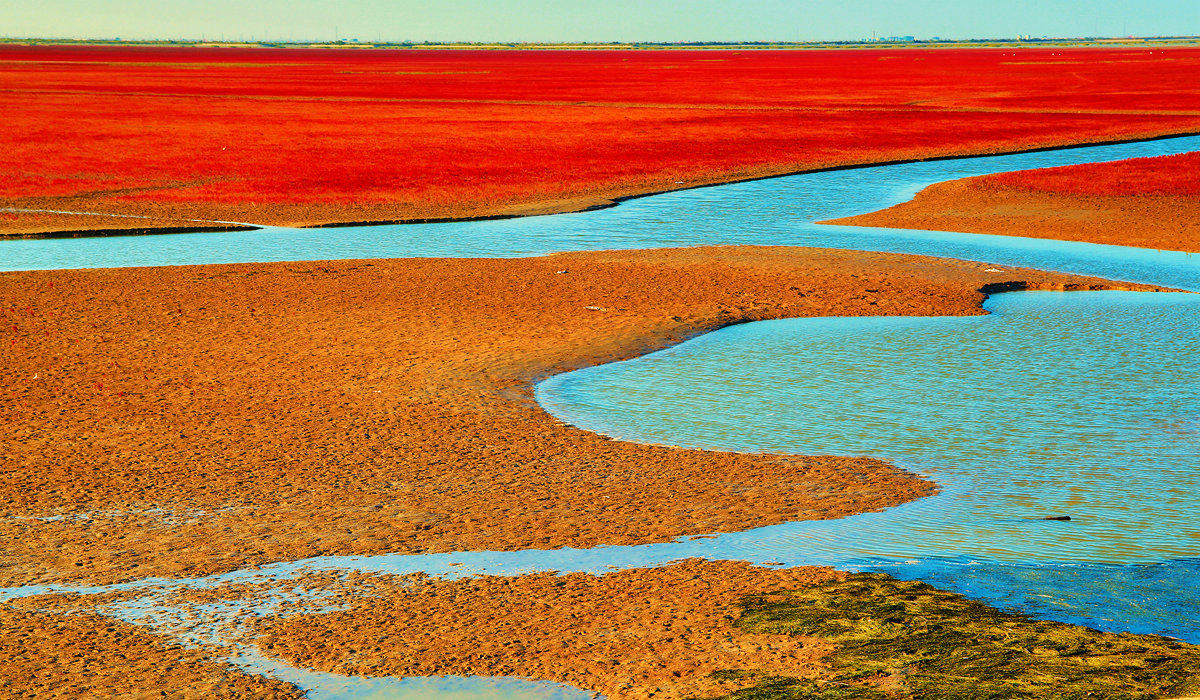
(1084, 405)
(776, 211)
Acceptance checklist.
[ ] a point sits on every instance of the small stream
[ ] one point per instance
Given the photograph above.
(1084, 405)
(776, 211)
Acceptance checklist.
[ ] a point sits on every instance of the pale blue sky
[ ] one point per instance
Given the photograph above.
(589, 20)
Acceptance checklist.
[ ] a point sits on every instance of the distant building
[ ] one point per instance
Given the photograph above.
(897, 39)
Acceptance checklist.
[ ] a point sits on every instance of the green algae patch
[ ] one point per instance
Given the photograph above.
(899, 639)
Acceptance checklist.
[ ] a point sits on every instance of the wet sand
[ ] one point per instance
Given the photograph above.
(1162, 222)
(193, 420)
(80, 216)
(41, 226)
(51, 655)
(699, 629)
(628, 634)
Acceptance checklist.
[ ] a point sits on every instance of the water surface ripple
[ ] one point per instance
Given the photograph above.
(1084, 405)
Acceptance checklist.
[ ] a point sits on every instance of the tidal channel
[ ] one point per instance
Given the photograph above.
(1084, 405)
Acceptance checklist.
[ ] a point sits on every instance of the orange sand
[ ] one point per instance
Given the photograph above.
(629, 634)
(192, 420)
(48, 655)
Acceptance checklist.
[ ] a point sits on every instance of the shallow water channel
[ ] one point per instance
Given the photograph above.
(1083, 404)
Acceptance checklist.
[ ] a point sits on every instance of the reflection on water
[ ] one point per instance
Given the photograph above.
(1142, 598)
(331, 686)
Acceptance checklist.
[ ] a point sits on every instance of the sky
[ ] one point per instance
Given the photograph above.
(592, 20)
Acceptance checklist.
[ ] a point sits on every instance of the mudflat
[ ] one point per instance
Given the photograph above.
(193, 420)
(72, 656)
(639, 633)
(705, 629)
(1159, 221)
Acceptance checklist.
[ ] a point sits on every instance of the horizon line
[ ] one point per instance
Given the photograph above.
(893, 41)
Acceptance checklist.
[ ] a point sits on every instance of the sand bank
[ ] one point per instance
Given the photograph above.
(192, 420)
(1162, 222)
(705, 629)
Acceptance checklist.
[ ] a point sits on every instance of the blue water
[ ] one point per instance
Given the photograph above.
(1082, 404)
(778, 211)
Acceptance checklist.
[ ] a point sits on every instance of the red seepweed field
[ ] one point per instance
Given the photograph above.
(308, 136)
(1162, 176)
(1142, 202)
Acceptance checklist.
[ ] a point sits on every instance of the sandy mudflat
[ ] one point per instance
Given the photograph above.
(663, 633)
(191, 420)
(1162, 222)
(628, 634)
(22, 225)
(152, 217)
(48, 655)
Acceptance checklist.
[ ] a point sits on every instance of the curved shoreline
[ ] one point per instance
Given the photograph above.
(398, 428)
(967, 206)
(577, 204)
(654, 338)
(965, 402)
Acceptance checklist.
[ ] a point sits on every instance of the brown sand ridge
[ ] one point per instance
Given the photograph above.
(628, 634)
(1162, 222)
(40, 218)
(58, 225)
(191, 420)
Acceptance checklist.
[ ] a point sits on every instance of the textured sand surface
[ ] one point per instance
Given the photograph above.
(628, 634)
(49, 655)
(191, 420)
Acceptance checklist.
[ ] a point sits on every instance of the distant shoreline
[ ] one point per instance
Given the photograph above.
(1005, 42)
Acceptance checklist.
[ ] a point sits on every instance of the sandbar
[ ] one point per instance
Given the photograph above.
(184, 421)
(699, 629)
(1161, 222)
